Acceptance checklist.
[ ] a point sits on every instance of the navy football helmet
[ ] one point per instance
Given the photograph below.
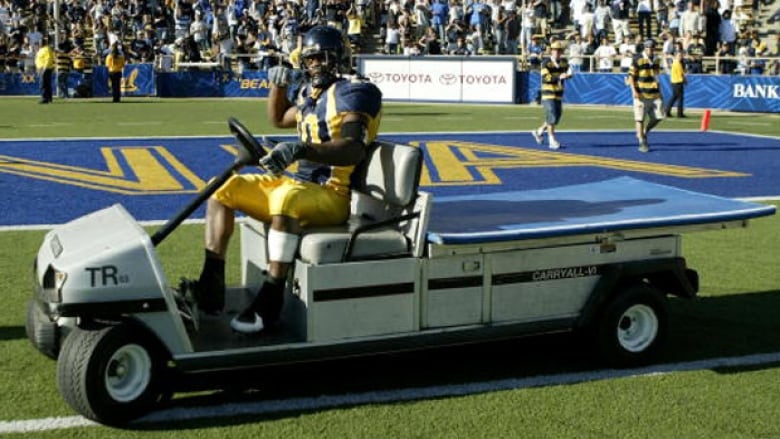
(326, 45)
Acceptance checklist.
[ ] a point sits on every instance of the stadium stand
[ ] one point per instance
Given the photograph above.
(256, 34)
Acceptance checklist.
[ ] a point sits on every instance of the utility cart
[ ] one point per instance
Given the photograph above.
(404, 273)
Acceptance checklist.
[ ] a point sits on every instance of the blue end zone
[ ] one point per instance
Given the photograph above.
(54, 181)
(606, 206)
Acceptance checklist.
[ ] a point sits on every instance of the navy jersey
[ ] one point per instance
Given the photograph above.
(320, 117)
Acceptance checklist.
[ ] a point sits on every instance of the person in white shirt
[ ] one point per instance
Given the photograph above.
(691, 21)
(527, 25)
(587, 20)
(509, 5)
(474, 41)
(199, 31)
(601, 20)
(576, 8)
(627, 51)
(605, 55)
(455, 11)
(574, 53)
(644, 15)
(392, 39)
(668, 50)
(231, 14)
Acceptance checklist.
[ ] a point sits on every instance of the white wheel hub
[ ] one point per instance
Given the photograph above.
(128, 373)
(637, 328)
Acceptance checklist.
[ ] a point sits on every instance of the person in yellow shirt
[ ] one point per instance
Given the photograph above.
(44, 64)
(115, 62)
(678, 80)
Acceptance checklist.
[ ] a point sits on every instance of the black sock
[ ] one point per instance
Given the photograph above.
(213, 272)
(269, 300)
(212, 283)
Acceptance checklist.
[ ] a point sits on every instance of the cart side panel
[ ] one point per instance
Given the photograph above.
(254, 256)
(541, 284)
(453, 291)
(360, 298)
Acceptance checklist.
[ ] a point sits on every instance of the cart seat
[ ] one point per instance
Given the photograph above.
(386, 217)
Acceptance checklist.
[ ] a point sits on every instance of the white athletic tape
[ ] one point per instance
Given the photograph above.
(282, 246)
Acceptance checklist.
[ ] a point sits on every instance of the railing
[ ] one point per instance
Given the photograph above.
(710, 64)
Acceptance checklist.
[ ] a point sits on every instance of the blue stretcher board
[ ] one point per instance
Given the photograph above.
(613, 205)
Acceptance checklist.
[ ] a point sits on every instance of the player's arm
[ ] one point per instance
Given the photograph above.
(281, 112)
(347, 150)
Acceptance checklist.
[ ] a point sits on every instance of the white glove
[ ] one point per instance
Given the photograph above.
(279, 76)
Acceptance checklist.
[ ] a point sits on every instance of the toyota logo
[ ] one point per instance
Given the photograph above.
(375, 76)
(447, 79)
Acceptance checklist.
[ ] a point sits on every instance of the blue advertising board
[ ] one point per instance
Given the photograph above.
(760, 94)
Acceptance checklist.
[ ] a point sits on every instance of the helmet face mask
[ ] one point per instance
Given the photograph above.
(323, 55)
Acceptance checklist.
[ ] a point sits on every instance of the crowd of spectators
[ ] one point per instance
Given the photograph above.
(600, 35)
(256, 34)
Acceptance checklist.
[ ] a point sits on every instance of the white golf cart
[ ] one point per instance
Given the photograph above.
(599, 257)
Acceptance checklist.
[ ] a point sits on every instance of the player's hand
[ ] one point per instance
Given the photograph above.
(279, 76)
(282, 156)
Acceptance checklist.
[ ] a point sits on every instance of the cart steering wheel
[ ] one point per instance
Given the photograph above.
(252, 151)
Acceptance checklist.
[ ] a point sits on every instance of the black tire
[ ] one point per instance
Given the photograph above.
(633, 326)
(112, 375)
(42, 333)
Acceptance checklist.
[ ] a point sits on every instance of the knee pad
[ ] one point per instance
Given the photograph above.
(282, 246)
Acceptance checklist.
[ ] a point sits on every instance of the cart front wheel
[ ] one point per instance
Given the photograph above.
(42, 333)
(112, 375)
(633, 326)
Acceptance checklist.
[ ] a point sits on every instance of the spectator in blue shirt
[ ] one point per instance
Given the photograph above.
(535, 52)
(476, 9)
(440, 12)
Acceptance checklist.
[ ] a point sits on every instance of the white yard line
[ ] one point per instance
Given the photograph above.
(144, 123)
(458, 117)
(325, 402)
(743, 122)
(48, 125)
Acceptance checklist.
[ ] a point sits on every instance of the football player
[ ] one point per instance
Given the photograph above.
(336, 118)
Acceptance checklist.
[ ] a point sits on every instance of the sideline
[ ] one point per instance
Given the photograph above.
(390, 396)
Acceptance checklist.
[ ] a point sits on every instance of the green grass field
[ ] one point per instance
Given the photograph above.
(735, 315)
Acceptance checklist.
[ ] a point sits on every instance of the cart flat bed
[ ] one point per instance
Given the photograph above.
(622, 205)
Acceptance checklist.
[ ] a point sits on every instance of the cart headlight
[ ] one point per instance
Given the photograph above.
(53, 280)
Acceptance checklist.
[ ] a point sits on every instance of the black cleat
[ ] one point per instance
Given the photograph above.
(210, 302)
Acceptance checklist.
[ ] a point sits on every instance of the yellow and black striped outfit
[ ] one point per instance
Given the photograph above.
(82, 63)
(63, 70)
(645, 71)
(552, 86)
(63, 62)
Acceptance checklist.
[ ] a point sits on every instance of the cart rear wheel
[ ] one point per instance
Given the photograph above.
(633, 326)
(113, 374)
